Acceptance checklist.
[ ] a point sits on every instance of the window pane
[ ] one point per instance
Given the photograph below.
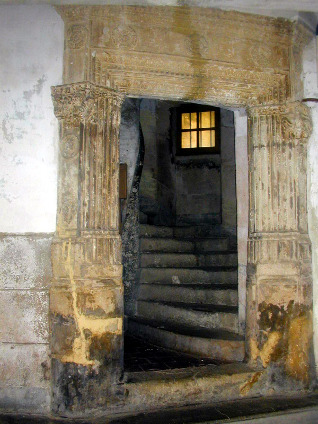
(185, 121)
(193, 121)
(186, 140)
(207, 138)
(212, 118)
(204, 120)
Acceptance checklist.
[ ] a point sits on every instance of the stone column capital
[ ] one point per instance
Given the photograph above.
(293, 120)
(83, 102)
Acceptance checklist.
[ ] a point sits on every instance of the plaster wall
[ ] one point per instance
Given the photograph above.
(310, 79)
(240, 119)
(31, 50)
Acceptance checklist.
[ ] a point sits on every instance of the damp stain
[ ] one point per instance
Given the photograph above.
(285, 338)
(36, 89)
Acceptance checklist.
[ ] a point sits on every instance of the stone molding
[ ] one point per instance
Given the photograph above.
(83, 102)
(293, 122)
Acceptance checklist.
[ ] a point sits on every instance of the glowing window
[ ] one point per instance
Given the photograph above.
(198, 130)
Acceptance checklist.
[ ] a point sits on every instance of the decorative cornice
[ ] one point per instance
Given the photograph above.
(83, 101)
(295, 119)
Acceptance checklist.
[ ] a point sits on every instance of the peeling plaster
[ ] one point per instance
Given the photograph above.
(31, 46)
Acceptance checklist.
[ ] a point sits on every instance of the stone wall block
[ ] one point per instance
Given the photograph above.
(25, 262)
(25, 365)
(24, 316)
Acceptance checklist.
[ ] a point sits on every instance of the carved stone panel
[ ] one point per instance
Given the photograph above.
(185, 53)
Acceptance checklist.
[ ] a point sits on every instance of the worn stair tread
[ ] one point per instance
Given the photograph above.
(218, 369)
(201, 268)
(207, 286)
(196, 253)
(197, 306)
(187, 330)
(200, 276)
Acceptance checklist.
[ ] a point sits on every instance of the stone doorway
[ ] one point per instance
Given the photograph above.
(208, 55)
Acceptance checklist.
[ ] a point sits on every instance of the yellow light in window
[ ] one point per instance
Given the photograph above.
(185, 121)
(207, 119)
(193, 121)
(186, 140)
(207, 138)
(204, 120)
(189, 121)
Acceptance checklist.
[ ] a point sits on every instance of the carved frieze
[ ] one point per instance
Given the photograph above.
(140, 47)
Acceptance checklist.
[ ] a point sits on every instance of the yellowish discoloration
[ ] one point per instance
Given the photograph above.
(269, 347)
(254, 349)
(61, 302)
(266, 352)
(97, 326)
(245, 388)
(299, 341)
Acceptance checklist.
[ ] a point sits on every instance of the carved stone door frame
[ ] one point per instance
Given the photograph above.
(203, 55)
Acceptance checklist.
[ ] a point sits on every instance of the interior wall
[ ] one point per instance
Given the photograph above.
(310, 78)
(185, 190)
(241, 158)
(129, 137)
(157, 181)
(129, 150)
(228, 166)
(31, 48)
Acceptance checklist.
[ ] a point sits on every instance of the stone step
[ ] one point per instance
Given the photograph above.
(155, 231)
(169, 260)
(193, 315)
(216, 295)
(212, 244)
(157, 244)
(148, 391)
(198, 231)
(213, 275)
(224, 346)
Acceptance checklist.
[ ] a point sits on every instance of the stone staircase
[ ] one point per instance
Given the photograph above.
(188, 295)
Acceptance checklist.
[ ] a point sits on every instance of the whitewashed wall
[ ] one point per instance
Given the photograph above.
(31, 50)
(311, 91)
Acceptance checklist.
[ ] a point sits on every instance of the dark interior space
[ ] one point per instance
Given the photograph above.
(179, 235)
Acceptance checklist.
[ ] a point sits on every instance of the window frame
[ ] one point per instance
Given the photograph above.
(194, 108)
